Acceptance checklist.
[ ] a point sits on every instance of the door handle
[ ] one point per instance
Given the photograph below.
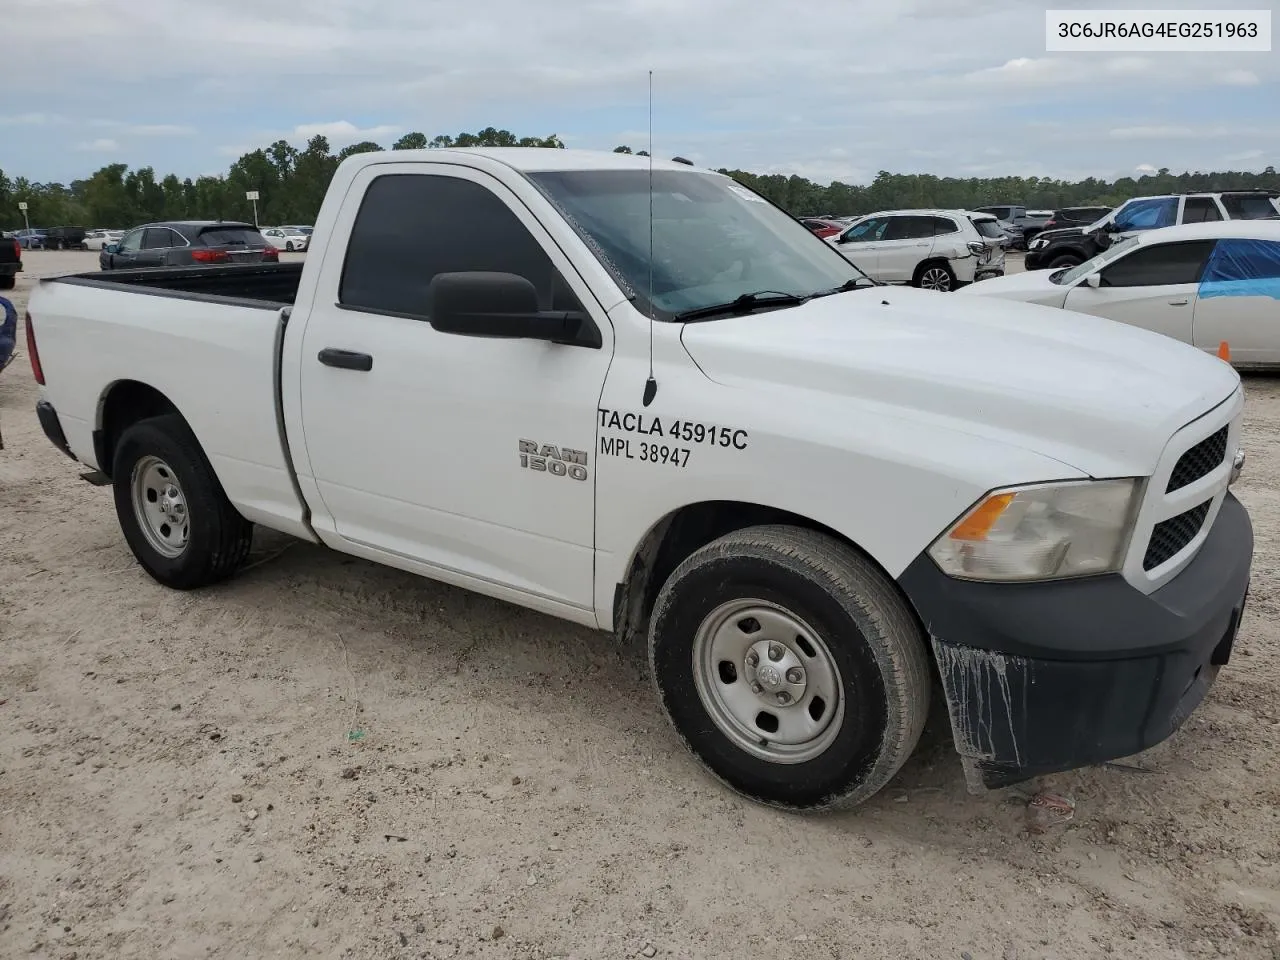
(1178, 303)
(345, 359)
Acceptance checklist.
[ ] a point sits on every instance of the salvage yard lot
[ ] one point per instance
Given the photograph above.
(333, 758)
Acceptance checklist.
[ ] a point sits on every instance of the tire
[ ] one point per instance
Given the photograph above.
(934, 275)
(217, 538)
(8, 283)
(1064, 260)
(869, 655)
(288, 247)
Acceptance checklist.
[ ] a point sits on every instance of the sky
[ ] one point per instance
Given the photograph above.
(827, 89)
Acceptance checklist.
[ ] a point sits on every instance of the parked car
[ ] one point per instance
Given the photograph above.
(1021, 223)
(1201, 283)
(285, 238)
(1076, 217)
(97, 239)
(299, 227)
(1074, 245)
(182, 242)
(64, 238)
(10, 262)
(822, 228)
(933, 249)
(824, 494)
(31, 239)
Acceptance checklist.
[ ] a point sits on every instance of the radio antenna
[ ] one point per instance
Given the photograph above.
(650, 385)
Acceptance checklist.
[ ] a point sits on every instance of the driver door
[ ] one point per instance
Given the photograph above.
(861, 242)
(1153, 287)
(128, 251)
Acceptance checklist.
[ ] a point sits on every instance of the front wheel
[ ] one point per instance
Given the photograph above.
(791, 667)
(172, 510)
(1065, 260)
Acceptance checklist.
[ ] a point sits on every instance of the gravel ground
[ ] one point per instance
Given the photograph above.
(325, 757)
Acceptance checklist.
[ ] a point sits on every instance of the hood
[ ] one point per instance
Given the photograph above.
(1061, 233)
(1099, 396)
(1029, 286)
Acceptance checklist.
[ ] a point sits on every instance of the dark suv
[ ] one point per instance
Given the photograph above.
(177, 243)
(1074, 245)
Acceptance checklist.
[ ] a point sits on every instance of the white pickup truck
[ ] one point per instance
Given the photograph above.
(648, 401)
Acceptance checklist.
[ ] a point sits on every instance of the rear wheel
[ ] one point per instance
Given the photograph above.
(934, 275)
(8, 283)
(790, 666)
(172, 510)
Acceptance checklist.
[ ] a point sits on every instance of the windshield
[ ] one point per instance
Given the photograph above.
(1086, 268)
(713, 240)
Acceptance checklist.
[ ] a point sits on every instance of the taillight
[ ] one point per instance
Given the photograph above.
(1050, 224)
(271, 253)
(17, 250)
(209, 256)
(32, 352)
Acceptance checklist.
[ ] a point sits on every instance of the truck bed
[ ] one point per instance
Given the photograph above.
(271, 285)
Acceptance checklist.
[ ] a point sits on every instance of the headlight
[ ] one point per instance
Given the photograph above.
(1038, 243)
(1041, 532)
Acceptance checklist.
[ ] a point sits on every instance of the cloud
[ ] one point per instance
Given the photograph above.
(914, 85)
(1153, 133)
(1239, 78)
(343, 132)
(146, 129)
(101, 145)
(29, 120)
(1145, 168)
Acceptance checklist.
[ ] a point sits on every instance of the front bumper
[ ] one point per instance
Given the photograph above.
(1036, 259)
(1045, 677)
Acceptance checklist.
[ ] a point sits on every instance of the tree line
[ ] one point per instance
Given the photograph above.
(291, 184)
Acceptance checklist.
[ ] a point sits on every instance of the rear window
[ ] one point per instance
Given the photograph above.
(231, 237)
(1250, 206)
(989, 229)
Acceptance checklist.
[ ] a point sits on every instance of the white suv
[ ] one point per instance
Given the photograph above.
(933, 249)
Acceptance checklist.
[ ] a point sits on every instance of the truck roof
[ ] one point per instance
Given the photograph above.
(523, 159)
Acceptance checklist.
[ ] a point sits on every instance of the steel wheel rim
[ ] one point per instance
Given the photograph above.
(740, 698)
(935, 278)
(160, 505)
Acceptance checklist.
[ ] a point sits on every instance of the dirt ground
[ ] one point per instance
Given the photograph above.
(329, 758)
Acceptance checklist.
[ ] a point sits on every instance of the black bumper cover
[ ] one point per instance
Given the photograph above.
(52, 428)
(1046, 677)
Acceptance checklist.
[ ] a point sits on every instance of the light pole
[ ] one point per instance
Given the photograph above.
(22, 205)
(253, 195)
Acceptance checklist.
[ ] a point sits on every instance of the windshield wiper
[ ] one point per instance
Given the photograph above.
(744, 304)
(853, 283)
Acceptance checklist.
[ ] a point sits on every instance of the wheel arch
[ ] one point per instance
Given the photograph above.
(122, 404)
(685, 529)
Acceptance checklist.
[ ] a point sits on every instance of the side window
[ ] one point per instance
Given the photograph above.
(131, 242)
(1200, 210)
(1236, 262)
(866, 231)
(1148, 214)
(1159, 264)
(411, 227)
(944, 225)
(909, 228)
(1250, 206)
(156, 238)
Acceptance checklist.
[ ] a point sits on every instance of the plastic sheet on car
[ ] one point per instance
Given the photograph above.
(1242, 268)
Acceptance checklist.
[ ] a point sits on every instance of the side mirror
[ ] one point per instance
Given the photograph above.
(483, 304)
(111, 248)
(1093, 280)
